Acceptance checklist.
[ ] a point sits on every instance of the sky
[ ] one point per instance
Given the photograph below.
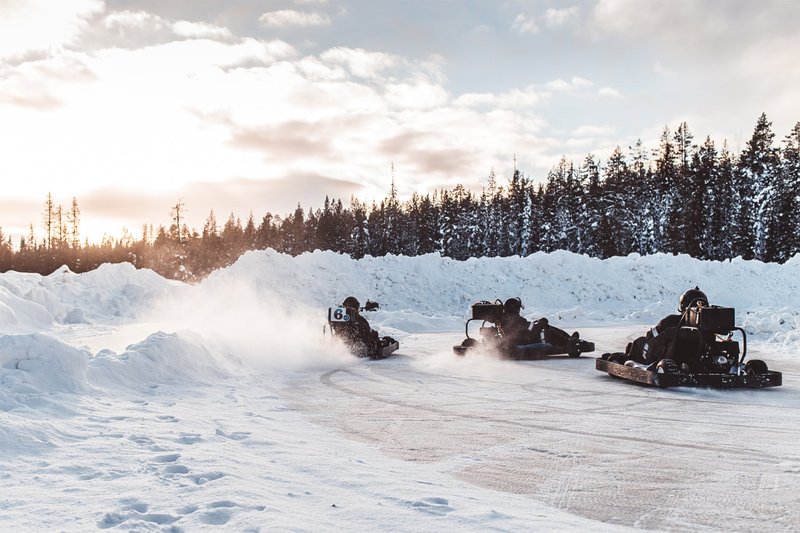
(247, 107)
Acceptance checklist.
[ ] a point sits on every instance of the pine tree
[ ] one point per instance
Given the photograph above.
(292, 232)
(616, 233)
(73, 218)
(178, 221)
(785, 229)
(757, 170)
(644, 206)
(590, 207)
(713, 171)
(49, 222)
(669, 231)
(359, 236)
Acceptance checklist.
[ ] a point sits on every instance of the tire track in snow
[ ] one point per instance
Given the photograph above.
(574, 393)
(326, 379)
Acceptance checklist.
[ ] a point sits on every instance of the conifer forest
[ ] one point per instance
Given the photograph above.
(688, 196)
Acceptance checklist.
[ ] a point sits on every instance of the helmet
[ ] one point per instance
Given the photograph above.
(351, 301)
(691, 297)
(513, 306)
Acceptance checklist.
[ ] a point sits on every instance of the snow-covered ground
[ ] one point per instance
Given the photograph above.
(134, 403)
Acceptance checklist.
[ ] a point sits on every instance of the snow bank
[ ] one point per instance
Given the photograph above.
(18, 315)
(160, 358)
(30, 302)
(35, 363)
(562, 286)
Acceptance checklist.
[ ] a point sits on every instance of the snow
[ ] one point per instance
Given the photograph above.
(131, 402)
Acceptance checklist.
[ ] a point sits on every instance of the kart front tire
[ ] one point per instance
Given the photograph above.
(755, 367)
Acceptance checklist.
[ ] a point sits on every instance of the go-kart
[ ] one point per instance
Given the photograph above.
(357, 336)
(700, 352)
(555, 342)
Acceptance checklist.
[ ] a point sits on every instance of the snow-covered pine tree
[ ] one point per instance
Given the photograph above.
(784, 233)
(757, 170)
(668, 237)
(590, 207)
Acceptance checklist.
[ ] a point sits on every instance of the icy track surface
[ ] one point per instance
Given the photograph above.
(129, 403)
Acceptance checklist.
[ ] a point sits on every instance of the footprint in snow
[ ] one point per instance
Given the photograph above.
(435, 506)
(236, 435)
(202, 479)
(133, 514)
(141, 439)
(135, 521)
(168, 458)
(176, 469)
(189, 438)
(218, 517)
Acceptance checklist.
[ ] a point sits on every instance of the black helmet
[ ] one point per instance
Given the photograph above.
(691, 297)
(351, 301)
(513, 306)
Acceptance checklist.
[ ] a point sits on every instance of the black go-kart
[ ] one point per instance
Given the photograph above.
(701, 352)
(357, 337)
(556, 341)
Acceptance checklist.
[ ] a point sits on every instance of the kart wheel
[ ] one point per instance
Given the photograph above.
(664, 367)
(667, 366)
(469, 343)
(755, 367)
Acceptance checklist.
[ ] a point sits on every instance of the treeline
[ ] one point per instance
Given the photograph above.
(697, 199)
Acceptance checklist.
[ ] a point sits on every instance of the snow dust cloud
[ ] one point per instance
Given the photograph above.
(248, 325)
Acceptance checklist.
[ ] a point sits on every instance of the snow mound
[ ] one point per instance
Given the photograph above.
(39, 363)
(112, 291)
(18, 315)
(159, 359)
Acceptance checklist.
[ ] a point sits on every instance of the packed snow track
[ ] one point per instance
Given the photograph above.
(561, 433)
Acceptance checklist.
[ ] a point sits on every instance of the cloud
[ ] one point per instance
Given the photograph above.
(40, 25)
(686, 26)
(290, 139)
(609, 91)
(555, 18)
(742, 53)
(663, 71)
(524, 24)
(519, 99)
(122, 20)
(574, 84)
(418, 94)
(198, 29)
(290, 17)
(360, 62)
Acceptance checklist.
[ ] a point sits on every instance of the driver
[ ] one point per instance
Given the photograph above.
(653, 346)
(359, 335)
(518, 331)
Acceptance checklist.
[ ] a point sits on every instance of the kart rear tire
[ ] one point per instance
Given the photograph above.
(666, 366)
(469, 343)
(755, 367)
